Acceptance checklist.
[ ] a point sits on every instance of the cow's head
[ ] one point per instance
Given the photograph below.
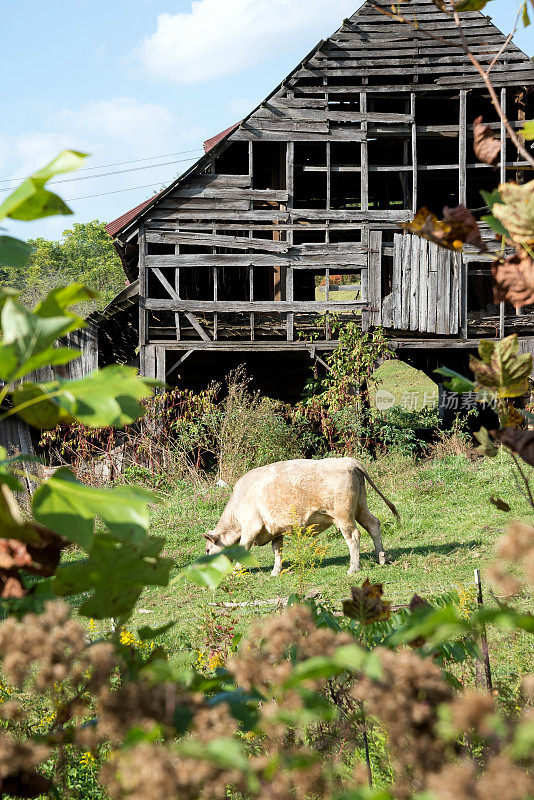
(213, 542)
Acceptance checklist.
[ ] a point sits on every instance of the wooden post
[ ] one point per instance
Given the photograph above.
(177, 290)
(364, 157)
(483, 636)
(142, 287)
(414, 154)
(462, 149)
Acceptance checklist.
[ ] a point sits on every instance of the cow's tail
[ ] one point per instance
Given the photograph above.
(389, 504)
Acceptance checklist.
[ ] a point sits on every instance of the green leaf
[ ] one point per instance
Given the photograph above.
(208, 571)
(14, 252)
(525, 16)
(107, 397)
(470, 5)
(5, 463)
(58, 301)
(237, 552)
(69, 507)
(490, 198)
(459, 383)
(496, 225)
(115, 575)
(527, 131)
(487, 447)
(31, 200)
(348, 658)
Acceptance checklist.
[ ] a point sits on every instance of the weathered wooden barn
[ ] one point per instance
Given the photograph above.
(293, 215)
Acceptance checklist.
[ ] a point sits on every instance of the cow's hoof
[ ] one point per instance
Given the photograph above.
(382, 558)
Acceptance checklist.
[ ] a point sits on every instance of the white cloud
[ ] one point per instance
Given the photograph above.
(221, 37)
(141, 127)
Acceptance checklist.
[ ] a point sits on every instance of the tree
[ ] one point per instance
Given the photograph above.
(84, 254)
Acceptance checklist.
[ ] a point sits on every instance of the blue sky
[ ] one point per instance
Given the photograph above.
(135, 79)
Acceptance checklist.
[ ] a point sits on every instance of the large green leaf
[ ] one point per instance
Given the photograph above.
(28, 340)
(348, 658)
(458, 383)
(115, 575)
(527, 131)
(59, 300)
(110, 396)
(210, 571)
(69, 507)
(13, 252)
(31, 200)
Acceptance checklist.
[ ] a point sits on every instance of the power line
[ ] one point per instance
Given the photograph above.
(102, 194)
(116, 164)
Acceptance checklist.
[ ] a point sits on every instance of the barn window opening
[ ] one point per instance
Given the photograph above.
(385, 104)
(269, 165)
(196, 283)
(233, 160)
(233, 283)
(479, 178)
(345, 154)
(339, 236)
(437, 188)
(438, 150)
(307, 236)
(389, 151)
(437, 108)
(345, 191)
(391, 190)
(343, 102)
(310, 189)
(160, 249)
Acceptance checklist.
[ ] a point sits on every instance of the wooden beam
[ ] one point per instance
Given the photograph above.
(142, 287)
(263, 306)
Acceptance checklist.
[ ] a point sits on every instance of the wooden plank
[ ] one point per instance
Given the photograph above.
(456, 262)
(406, 280)
(233, 306)
(302, 260)
(414, 152)
(256, 134)
(396, 285)
(442, 316)
(462, 145)
(219, 180)
(148, 352)
(214, 240)
(423, 285)
(432, 288)
(197, 192)
(181, 305)
(374, 286)
(164, 282)
(142, 286)
(160, 364)
(414, 283)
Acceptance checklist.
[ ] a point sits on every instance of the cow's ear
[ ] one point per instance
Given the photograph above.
(210, 536)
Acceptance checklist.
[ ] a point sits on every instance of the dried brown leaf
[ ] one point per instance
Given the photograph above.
(367, 605)
(516, 211)
(521, 442)
(514, 280)
(487, 148)
(457, 227)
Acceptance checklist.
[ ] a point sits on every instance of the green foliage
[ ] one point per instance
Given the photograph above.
(84, 254)
(31, 200)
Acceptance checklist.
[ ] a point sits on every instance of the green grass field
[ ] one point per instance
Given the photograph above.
(448, 527)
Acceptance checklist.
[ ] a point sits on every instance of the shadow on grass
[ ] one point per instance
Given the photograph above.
(396, 553)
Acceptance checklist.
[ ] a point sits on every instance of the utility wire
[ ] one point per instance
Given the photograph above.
(117, 164)
(102, 194)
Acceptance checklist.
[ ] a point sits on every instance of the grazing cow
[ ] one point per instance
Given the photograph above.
(269, 501)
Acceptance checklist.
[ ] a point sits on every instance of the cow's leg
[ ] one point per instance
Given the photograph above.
(351, 534)
(372, 526)
(277, 544)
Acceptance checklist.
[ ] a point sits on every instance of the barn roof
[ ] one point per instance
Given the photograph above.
(115, 227)
(352, 47)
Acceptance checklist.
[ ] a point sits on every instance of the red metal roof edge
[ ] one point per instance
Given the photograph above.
(209, 144)
(118, 224)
